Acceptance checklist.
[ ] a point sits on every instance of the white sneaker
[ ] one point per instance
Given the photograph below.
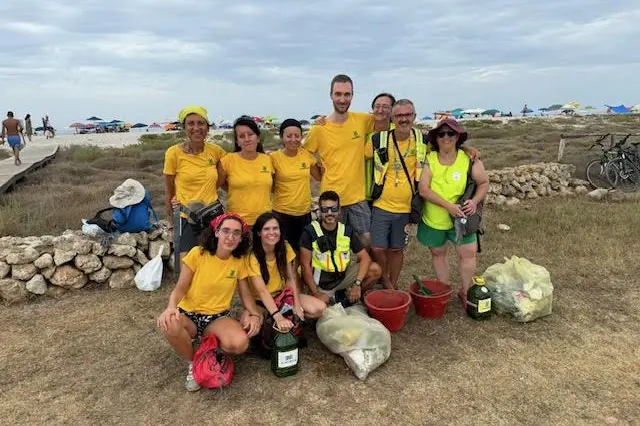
(190, 383)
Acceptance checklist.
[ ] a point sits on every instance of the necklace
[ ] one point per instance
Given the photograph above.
(396, 162)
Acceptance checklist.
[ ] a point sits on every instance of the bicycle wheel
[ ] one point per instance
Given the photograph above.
(596, 176)
(623, 175)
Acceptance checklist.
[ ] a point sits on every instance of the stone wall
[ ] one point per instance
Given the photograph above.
(51, 265)
(510, 185)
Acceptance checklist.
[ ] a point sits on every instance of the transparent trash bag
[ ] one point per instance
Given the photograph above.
(149, 277)
(520, 288)
(363, 342)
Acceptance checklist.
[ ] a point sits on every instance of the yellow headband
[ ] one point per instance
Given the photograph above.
(193, 109)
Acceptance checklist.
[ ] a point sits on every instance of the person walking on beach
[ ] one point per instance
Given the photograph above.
(28, 129)
(340, 146)
(12, 130)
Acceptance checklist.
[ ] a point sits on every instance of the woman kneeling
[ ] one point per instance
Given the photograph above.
(201, 302)
(270, 269)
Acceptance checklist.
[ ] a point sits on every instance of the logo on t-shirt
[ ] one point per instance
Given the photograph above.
(264, 169)
(212, 162)
(304, 166)
(456, 176)
(232, 274)
(356, 135)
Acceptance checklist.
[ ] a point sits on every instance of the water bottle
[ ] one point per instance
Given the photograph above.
(479, 300)
(284, 355)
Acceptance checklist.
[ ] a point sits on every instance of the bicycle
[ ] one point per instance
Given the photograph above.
(596, 169)
(622, 171)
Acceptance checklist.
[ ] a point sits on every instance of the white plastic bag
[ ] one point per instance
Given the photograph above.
(520, 288)
(149, 276)
(91, 229)
(363, 342)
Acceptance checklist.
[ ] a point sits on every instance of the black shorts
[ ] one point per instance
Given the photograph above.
(292, 227)
(202, 321)
(190, 235)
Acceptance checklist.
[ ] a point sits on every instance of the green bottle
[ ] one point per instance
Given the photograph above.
(421, 288)
(284, 356)
(479, 300)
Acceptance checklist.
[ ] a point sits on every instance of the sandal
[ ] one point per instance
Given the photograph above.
(463, 298)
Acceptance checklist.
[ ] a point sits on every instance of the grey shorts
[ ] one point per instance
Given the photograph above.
(350, 276)
(357, 216)
(388, 229)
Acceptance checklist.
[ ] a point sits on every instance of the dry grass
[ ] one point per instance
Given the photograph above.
(96, 357)
(5, 153)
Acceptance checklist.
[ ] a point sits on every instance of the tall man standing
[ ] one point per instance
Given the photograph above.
(340, 145)
(12, 131)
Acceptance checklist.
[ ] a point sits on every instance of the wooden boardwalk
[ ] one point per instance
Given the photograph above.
(33, 156)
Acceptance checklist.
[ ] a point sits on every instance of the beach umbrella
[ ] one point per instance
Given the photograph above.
(313, 117)
(490, 112)
(270, 119)
(426, 117)
(554, 107)
(543, 109)
(138, 125)
(589, 107)
(76, 125)
(155, 126)
(94, 118)
(635, 108)
(304, 122)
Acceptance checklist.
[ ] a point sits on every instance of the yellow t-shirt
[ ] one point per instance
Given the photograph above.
(397, 193)
(341, 150)
(195, 175)
(250, 182)
(292, 182)
(214, 281)
(276, 282)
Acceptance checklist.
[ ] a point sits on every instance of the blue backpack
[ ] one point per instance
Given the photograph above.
(134, 218)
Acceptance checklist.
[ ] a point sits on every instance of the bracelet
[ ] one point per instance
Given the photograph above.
(274, 314)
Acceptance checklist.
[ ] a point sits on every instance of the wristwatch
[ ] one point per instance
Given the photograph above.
(358, 283)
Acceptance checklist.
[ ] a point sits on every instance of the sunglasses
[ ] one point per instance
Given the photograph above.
(449, 133)
(333, 209)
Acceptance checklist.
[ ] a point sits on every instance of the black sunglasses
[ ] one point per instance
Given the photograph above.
(333, 209)
(449, 133)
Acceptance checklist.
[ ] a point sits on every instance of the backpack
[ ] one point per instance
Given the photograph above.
(473, 223)
(134, 218)
(212, 368)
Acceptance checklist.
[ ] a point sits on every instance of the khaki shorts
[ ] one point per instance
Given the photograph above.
(349, 279)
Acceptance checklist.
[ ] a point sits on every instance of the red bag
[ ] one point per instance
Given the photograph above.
(212, 368)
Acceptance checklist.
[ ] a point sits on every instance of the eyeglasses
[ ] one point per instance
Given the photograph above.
(449, 133)
(333, 209)
(235, 233)
(403, 116)
(382, 107)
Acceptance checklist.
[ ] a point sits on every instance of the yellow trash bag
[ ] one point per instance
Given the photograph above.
(520, 288)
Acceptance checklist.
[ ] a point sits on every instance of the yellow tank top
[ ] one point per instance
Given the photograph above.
(449, 182)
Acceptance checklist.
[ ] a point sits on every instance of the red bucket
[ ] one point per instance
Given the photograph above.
(390, 307)
(434, 305)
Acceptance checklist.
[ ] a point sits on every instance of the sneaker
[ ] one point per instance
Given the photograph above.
(191, 383)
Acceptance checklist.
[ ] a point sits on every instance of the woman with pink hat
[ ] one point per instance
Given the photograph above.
(443, 181)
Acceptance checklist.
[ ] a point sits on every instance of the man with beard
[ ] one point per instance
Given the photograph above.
(340, 145)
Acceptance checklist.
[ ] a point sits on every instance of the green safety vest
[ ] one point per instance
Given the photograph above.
(380, 142)
(331, 261)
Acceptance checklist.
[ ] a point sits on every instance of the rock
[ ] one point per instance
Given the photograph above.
(98, 249)
(23, 272)
(4, 252)
(500, 200)
(564, 191)
(114, 262)
(495, 188)
(512, 201)
(60, 257)
(136, 268)
(125, 239)
(508, 190)
(156, 246)
(100, 276)
(48, 272)
(541, 190)
(613, 195)
(516, 185)
(44, 261)
(503, 227)
(122, 278)
(13, 291)
(141, 258)
(5, 268)
(37, 284)
(68, 277)
(532, 195)
(122, 250)
(155, 234)
(142, 240)
(28, 255)
(581, 189)
(88, 263)
(55, 291)
(597, 194)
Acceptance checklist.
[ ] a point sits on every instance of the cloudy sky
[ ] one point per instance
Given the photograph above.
(142, 60)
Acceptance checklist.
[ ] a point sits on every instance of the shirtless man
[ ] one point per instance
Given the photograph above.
(12, 131)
